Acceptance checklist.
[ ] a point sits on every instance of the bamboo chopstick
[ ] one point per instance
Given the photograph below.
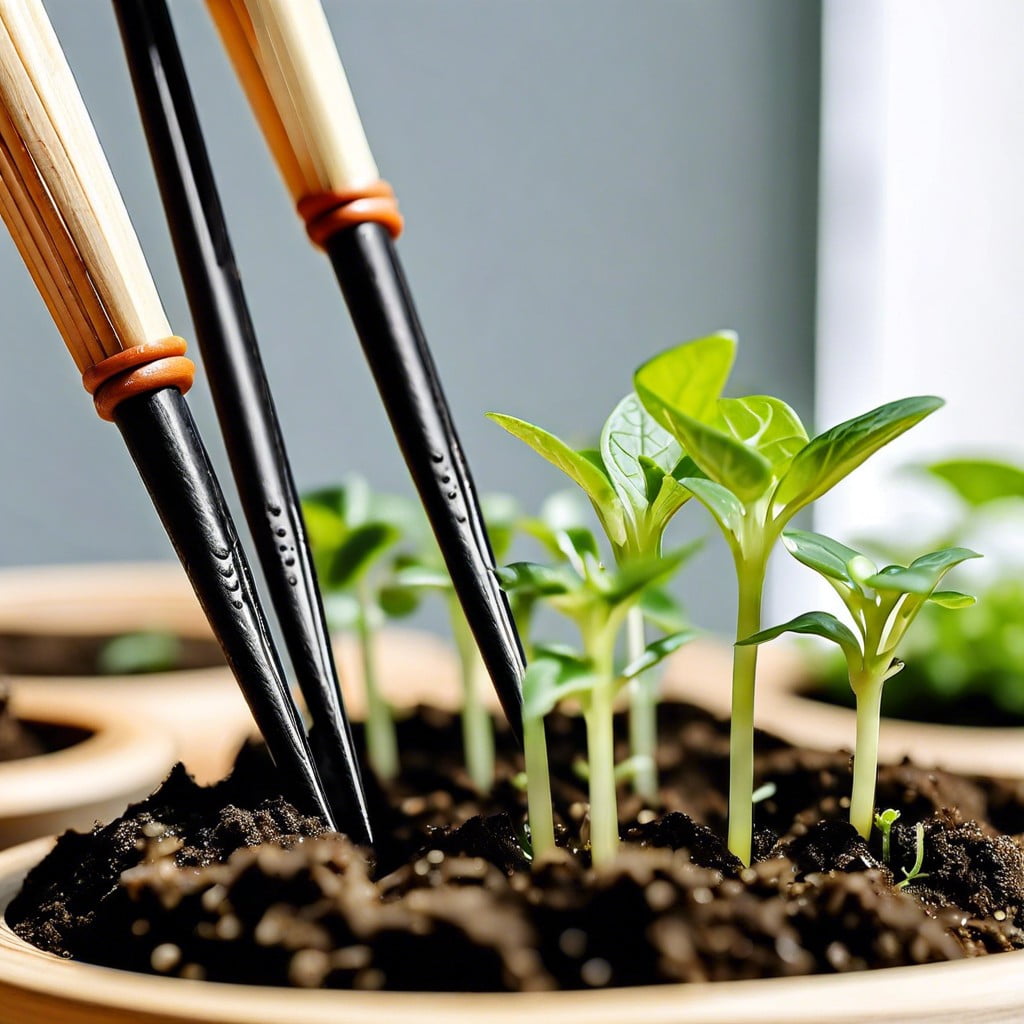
(62, 207)
(240, 389)
(288, 65)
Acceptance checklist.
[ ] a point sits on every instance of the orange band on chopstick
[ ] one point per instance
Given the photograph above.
(137, 371)
(327, 213)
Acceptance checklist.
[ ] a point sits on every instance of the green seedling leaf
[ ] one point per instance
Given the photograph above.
(688, 378)
(640, 573)
(952, 599)
(578, 467)
(139, 653)
(980, 481)
(724, 459)
(535, 579)
(765, 792)
(398, 602)
(811, 624)
(766, 424)
(549, 680)
(422, 577)
(633, 448)
(821, 553)
(721, 503)
(501, 515)
(662, 610)
(357, 552)
(656, 652)
(833, 455)
(923, 575)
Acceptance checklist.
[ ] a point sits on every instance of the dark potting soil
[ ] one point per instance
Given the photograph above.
(56, 654)
(231, 883)
(20, 739)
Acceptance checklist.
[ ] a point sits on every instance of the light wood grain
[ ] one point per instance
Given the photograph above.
(288, 65)
(59, 200)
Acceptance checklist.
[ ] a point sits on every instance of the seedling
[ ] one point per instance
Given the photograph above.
(353, 534)
(882, 604)
(597, 601)
(915, 872)
(755, 468)
(426, 571)
(884, 823)
(632, 482)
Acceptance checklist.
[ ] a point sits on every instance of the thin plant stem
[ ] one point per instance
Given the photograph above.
(868, 691)
(741, 731)
(538, 787)
(604, 816)
(477, 728)
(643, 712)
(381, 744)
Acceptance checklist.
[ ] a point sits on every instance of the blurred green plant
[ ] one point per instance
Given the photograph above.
(360, 541)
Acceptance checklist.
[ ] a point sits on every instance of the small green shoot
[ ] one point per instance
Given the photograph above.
(631, 480)
(882, 604)
(598, 602)
(764, 792)
(139, 653)
(754, 468)
(884, 823)
(915, 872)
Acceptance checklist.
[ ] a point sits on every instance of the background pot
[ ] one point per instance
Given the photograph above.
(36, 986)
(201, 709)
(786, 671)
(119, 759)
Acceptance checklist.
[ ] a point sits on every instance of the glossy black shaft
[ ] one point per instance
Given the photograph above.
(172, 461)
(240, 390)
(389, 329)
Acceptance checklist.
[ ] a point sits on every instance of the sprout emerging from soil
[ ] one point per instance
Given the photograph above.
(631, 480)
(598, 601)
(882, 604)
(754, 469)
(353, 534)
(426, 571)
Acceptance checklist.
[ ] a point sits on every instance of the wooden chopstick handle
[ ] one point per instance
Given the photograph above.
(171, 459)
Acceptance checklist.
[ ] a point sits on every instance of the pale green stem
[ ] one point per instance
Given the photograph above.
(381, 744)
(477, 729)
(604, 814)
(643, 712)
(741, 732)
(538, 787)
(868, 690)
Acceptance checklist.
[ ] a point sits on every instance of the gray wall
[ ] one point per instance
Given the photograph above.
(585, 182)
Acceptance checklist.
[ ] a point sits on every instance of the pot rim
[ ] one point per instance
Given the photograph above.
(784, 667)
(934, 992)
(121, 754)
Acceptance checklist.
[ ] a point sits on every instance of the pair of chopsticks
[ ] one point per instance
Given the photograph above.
(285, 56)
(62, 207)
